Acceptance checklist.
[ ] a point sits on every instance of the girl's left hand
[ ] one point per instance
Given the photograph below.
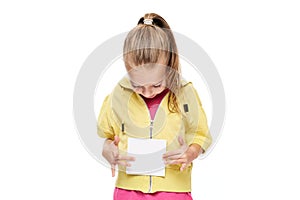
(184, 155)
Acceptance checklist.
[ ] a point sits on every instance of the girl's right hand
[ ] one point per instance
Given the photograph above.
(111, 154)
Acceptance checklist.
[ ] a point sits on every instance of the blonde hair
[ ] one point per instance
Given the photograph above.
(151, 43)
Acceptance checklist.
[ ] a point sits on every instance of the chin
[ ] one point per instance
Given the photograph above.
(150, 96)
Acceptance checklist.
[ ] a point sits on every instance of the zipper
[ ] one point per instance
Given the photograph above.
(151, 135)
(150, 186)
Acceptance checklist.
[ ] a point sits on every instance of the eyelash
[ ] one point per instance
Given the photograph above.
(156, 86)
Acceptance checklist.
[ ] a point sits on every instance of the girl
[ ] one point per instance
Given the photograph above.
(153, 102)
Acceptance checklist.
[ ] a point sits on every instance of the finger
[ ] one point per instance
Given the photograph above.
(174, 157)
(113, 170)
(172, 153)
(183, 166)
(123, 163)
(171, 162)
(175, 162)
(126, 158)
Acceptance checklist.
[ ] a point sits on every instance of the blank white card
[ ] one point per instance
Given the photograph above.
(148, 156)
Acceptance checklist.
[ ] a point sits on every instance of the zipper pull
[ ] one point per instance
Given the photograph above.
(151, 128)
(123, 127)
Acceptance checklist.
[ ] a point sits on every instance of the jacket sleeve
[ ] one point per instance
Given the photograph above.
(105, 125)
(198, 131)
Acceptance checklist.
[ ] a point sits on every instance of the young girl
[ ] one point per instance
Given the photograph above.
(153, 102)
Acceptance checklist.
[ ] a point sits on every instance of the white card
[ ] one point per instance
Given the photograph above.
(148, 156)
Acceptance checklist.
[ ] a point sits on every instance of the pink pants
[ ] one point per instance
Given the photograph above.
(121, 194)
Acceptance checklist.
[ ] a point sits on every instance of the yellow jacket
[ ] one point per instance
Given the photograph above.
(124, 113)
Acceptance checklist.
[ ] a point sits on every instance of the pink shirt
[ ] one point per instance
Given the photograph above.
(121, 194)
(153, 103)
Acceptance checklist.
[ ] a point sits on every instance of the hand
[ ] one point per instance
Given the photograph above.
(184, 155)
(111, 154)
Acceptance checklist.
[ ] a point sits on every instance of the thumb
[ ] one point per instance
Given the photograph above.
(116, 140)
(181, 140)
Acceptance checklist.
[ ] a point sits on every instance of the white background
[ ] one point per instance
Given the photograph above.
(254, 44)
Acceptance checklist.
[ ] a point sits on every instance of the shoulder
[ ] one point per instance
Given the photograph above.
(188, 93)
(187, 87)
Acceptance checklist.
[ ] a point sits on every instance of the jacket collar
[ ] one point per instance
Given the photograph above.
(125, 83)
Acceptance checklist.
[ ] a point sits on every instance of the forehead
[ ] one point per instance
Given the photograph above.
(150, 74)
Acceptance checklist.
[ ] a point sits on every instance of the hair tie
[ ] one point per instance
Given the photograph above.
(148, 21)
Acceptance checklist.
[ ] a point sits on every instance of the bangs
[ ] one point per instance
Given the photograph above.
(145, 56)
(146, 44)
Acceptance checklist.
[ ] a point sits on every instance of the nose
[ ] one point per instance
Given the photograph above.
(148, 92)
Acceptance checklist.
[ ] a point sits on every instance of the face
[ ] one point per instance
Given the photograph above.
(148, 80)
